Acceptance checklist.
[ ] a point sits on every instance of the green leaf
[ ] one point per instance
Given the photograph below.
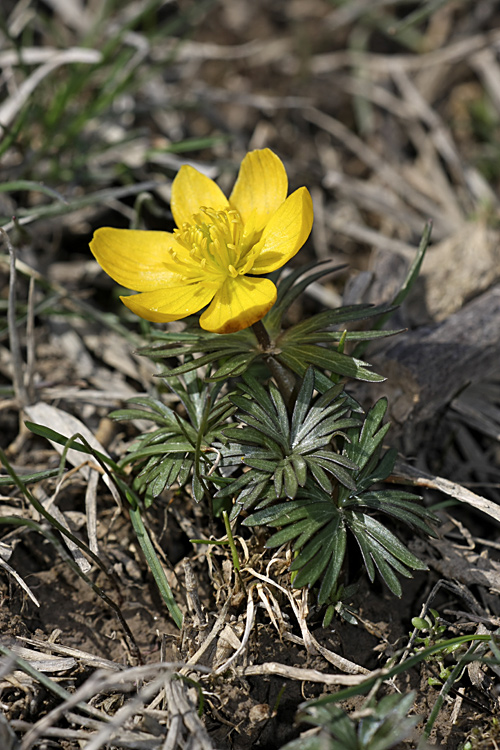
(319, 534)
(251, 495)
(157, 450)
(386, 573)
(290, 288)
(279, 479)
(234, 366)
(182, 445)
(160, 474)
(378, 545)
(319, 475)
(381, 469)
(331, 467)
(299, 357)
(401, 505)
(190, 366)
(323, 416)
(31, 478)
(363, 543)
(281, 411)
(382, 725)
(332, 571)
(152, 560)
(197, 488)
(253, 437)
(302, 404)
(255, 463)
(408, 283)
(301, 530)
(391, 543)
(300, 468)
(301, 332)
(131, 414)
(265, 428)
(335, 338)
(315, 555)
(363, 444)
(278, 515)
(290, 481)
(70, 442)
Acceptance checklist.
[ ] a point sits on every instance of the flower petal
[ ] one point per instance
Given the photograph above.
(135, 259)
(238, 304)
(191, 190)
(285, 233)
(172, 303)
(260, 188)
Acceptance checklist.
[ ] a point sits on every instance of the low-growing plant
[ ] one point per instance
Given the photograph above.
(262, 426)
(378, 726)
(431, 631)
(267, 430)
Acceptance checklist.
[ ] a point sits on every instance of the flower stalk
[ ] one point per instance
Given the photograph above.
(284, 378)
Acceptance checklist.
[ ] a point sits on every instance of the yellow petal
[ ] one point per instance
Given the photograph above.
(190, 191)
(238, 304)
(285, 233)
(135, 259)
(261, 187)
(173, 303)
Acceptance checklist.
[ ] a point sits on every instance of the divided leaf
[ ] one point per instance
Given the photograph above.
(318, 520)
(283, 449)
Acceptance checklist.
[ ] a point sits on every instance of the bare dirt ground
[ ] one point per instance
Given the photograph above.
(390, 124)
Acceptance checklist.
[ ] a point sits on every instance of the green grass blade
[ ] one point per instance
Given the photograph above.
(151, 557)
(405, 289)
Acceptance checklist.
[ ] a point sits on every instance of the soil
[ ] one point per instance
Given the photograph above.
(239, 712)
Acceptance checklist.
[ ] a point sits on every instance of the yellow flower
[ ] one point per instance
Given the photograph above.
(219, 247)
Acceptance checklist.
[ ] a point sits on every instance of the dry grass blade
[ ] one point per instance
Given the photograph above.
(250, 617)
(113, 730)
(68, 425)
(40, 662)
(184, 720)
(387, 174)
(411, 475)
(304, 675)
(5, 565)
(308, 639)
(207, 642)
(96, 662)
(10, 108)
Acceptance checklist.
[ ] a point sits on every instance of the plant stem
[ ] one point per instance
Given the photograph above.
(262, 335)
(285, 379)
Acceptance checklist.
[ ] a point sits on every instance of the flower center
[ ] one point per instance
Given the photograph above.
(214, 240)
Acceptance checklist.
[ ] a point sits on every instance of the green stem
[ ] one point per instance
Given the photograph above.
(230, 538)
(285, 379)
(234, 551)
